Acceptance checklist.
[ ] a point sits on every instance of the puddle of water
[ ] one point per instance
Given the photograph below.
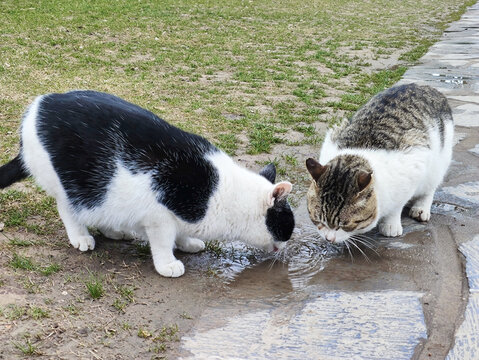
(333, 325)
(303, 257)
(452, 79)
(314, 302)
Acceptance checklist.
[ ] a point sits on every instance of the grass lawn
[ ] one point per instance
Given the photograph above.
(241, 73)
(247, 75)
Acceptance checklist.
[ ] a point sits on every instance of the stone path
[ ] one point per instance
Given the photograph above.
(452, 67)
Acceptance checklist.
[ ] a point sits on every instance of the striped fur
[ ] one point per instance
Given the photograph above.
(401, 140)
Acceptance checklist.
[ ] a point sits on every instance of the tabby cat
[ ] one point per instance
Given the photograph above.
(393, 152)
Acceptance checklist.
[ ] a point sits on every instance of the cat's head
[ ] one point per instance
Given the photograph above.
(276, 221)
(341, 198)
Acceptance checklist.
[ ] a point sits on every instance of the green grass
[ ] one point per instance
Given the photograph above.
(22, 262)
(49, 269)
(194, 62)
(27, 349)
(94, 287)
(38, 313)
(15, 312)
(25, 263)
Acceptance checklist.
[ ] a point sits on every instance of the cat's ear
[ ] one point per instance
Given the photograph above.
(315, 168)
(280, 191)
(269, 172)
(364, 179)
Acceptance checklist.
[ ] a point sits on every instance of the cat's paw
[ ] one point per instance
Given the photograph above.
(83, 243)
(191, 245)
(390, 229)
(420, 214)
(173, 269)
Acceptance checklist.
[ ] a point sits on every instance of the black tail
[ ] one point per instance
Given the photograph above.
(12, 172)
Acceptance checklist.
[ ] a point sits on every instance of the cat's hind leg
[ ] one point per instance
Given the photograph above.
(77, 233)
(421, 207)
(162, 241)
(189, 244)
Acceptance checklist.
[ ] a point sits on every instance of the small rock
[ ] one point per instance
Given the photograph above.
(2, 226)
(64, 293)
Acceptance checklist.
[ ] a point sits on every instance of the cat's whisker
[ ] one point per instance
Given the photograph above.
(362, 252)
(349, 250)
(364, 242)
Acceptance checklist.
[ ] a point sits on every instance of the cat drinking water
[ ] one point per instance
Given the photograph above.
(394, 151)
(117, 167)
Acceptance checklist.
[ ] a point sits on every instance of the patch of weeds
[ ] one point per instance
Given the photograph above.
(94, 286)
(18, 206)
(27, 348)
(26, 263)
(214, 247)
(290, 160)
(126, 326)
(168, 333)
(262, 138)
(14, 312)
(20, 243)
(307, 130)
(37, 313)
(159, 348)
(314, 140)
(371, 84)
(50, 269)
(341, 105)
(119, 305)
(143, 250)
(30, 286)
(418, 51)
(22, 262)
(126, 292)
(228, 143)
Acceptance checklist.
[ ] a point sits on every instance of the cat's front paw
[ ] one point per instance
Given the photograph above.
(420, 214)
(173, 269)
(83, 243)
(191, 245)
(390, 229)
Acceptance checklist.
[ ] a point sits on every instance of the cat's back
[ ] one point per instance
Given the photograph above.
(100, 116)
(397, 119)
(87, 137)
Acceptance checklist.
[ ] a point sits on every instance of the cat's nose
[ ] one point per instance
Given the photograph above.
(331, 236)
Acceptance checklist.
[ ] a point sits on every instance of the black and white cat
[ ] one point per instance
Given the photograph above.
(117, 167)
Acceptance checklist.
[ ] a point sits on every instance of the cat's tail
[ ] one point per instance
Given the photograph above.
(12, 172)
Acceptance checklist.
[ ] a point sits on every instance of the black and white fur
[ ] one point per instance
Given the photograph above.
(117, 167)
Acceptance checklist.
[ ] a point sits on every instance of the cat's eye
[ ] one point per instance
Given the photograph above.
(320, 226)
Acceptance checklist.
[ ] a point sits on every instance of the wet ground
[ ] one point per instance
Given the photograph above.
(415, 296)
